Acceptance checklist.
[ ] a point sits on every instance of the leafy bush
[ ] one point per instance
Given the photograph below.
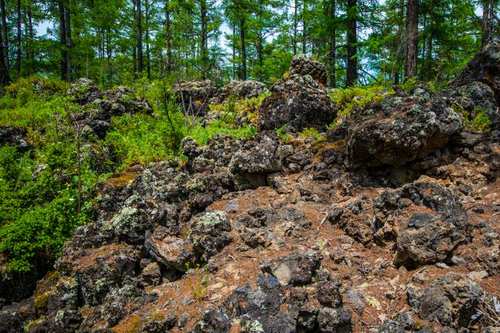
(143, 138)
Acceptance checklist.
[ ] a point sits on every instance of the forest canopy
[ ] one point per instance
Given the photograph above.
(361, 41)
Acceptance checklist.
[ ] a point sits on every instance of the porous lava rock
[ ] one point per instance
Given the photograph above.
(298, 101)
(401, 130)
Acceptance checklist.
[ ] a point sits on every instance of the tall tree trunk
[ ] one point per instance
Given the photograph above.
(4, 43)
(259, 45)
(109, 54)
(18, 38)
(148, 46)
(168, 36)
(31, 37)
(429, 47)
(140, 52)
(69, 40)
(304, 28)
(63, 35)
(243, 50)
(352, 41)
(233, 44)
(488, 21)
(4, 68)
(412, 39)
(134, 36)
(204, 39)
(295, 25)
(332, 31)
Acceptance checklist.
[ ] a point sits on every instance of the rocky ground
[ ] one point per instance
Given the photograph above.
(389, 223)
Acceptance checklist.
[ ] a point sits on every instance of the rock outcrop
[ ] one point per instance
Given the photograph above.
(400, 130)
(297, 101)
(194, 96)
(239, 90)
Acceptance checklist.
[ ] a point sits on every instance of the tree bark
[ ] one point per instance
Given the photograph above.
(148, 46)
(63, 35)
(4, 69)
(140, 52)
(487, 21)
(295, 25)
(332, 56)
(304, 28)
(31, 37)
(243, 50)
(259, 45)
(412, 39)
(352, 41)
(168, 37)
(4, 39)
(18, 38)
(204, 39)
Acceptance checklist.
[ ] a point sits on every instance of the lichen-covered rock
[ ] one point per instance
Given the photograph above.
(240, 90)
(295, 269)
(475, 97)
(298, 101)
(334, 320)
(210, 234)
(14, 136)
(484, 67)
(255, 160)
(171, 251)
(305, 66)
(453, 301)
(402, 130)
(84, 91)
(194, 96)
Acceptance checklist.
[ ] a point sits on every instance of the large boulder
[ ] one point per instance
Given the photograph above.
(453, 301)
(298, 101)
(400, 130)
(484, 67)
(305, 66)
(194, 96)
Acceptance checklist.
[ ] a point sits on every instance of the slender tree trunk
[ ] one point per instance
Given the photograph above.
(168, 36)
(204, 39)
(488, 21)
(412, 39)
(148, 42)
(352, 41)
(4, 46)
(140, 52)
(18, 39)
(31, 37)
(304, 28)
(243, 55)
(69, 40)
(63, 35)
(134, 31)
(295, 25)
(233, 44)
(332, 56)
(109, 55)
(259, 45)
(429, 47)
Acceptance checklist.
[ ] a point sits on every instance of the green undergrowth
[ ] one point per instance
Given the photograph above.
(348, 100)
(48, 190)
